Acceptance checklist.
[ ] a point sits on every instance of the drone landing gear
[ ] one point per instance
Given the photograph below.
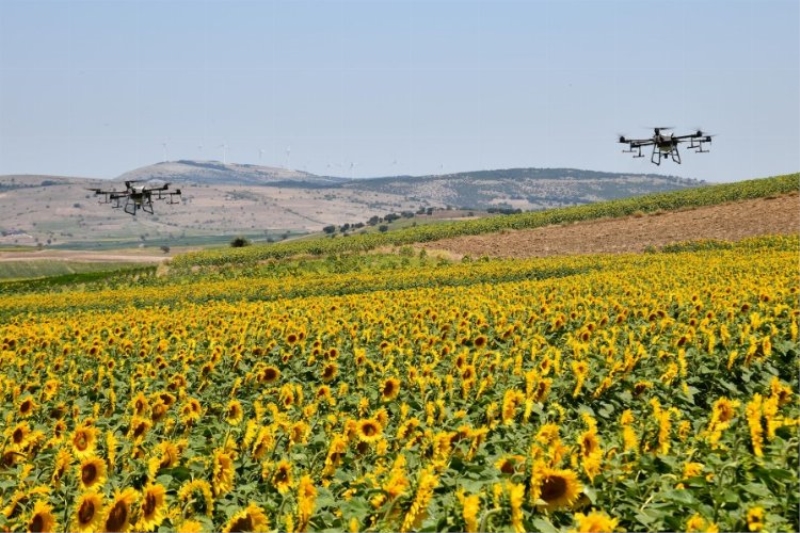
(658, 155)
(145, 204)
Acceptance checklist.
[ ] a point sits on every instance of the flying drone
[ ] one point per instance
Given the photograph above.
(666, 145)
(137, 196)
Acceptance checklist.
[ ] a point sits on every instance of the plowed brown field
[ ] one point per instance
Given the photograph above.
(731, 222)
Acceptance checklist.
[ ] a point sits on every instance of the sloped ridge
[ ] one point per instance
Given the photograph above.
(218, 173)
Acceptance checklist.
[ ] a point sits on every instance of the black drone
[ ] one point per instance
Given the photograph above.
(138, 196)
(665, 146)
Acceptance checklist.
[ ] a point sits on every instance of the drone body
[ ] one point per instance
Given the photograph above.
(137, 196)
(666, 145)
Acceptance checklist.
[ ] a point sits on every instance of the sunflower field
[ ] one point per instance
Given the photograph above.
(646, 392)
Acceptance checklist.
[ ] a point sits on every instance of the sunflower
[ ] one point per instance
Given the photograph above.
(88, 513)
(329, 371)
(556, 488)
(139, 428)
(59, 429)
(140, 404)
(755, 519)
(691, 470)
(480, 341)
(390, 388)
(368, 430)
(298, 433)
(62, 463)
(158, 410)
(234, 413)
(189, 526)
(222, 473)
(282, 477)
(168, 454)
(509, 464)
(472, 506)
(27, 406)
(252, 518)
(724, 410)
(84, 440)
(191, 411)
(324, 395)
(269, 375)
(264, 442)
(697, 523)
(118, 517)
(42, 518)
(589, 443)
(92, 472)
(9, 457)
(595, 522)
(153, 507)
(202, 502)
(20, 434)
(306, 498)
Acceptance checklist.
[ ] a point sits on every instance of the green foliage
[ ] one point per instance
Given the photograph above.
(695, 197)
(239, 242)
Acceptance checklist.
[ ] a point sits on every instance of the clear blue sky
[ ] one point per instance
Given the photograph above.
(95, 88)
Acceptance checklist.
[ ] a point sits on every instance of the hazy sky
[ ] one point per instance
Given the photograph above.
(95, 88)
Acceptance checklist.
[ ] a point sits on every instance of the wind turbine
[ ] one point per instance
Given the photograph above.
(164, 145)
(224, 147)
(260, 155)
(352, 169)
(288, 154)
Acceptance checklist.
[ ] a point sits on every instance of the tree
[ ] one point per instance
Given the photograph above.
(383, 228)
(329, 229)
(239, 242)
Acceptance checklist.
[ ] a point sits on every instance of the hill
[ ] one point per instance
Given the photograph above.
(265, 203)
(216, 173)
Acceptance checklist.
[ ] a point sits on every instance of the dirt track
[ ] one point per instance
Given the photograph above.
(88, 257)
(731, 222)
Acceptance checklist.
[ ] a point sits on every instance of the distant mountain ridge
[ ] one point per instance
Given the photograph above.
(522, 188)
(218, 173)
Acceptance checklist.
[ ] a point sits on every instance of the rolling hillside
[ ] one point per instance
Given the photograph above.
(220, 201)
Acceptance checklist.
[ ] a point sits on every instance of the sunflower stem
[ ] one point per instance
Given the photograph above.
(485, 518)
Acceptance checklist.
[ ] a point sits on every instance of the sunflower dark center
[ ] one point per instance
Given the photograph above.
(281, 476)
(80, 441)
(553, 487)
(149, 504)
(86, 512)
(369, 430)
(242, 524)
(117, 518)
(37, 524)
(89, 474)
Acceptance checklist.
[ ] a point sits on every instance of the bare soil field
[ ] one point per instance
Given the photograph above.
(730, 222)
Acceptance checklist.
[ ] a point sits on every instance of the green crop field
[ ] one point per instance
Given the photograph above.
(295, 387)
